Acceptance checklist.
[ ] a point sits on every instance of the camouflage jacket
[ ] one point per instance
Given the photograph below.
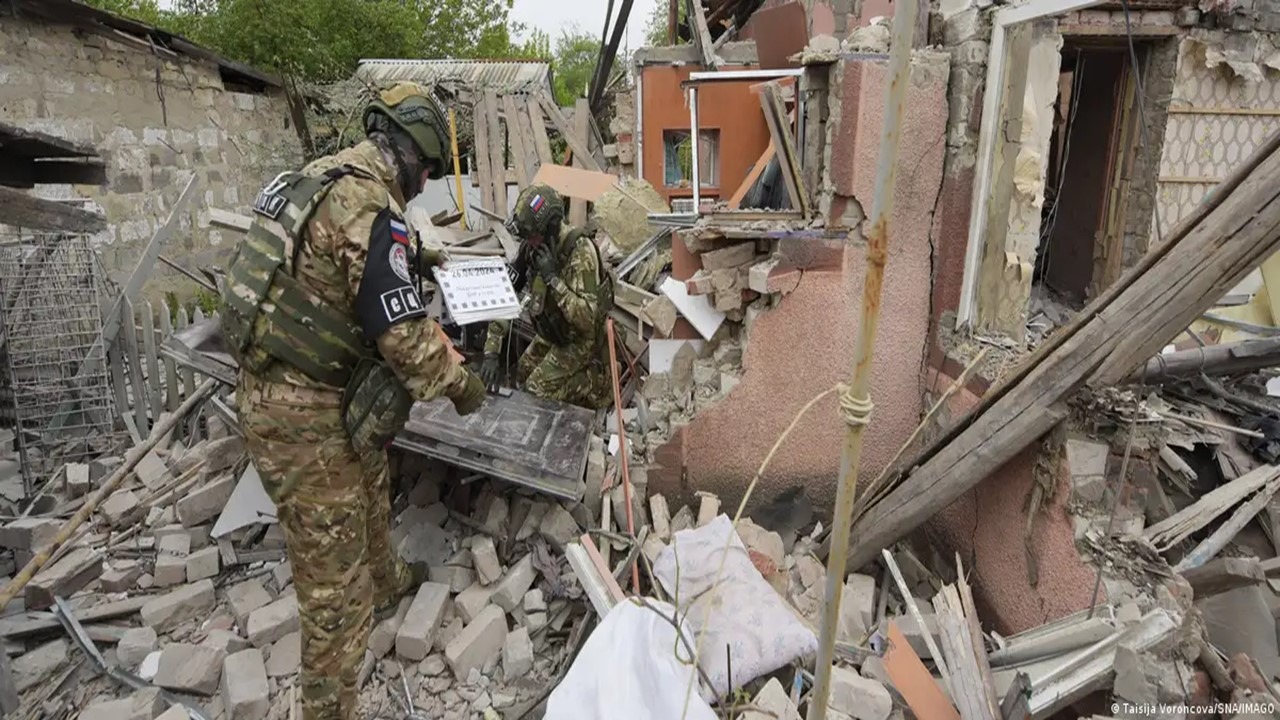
(331, 261)
(572, 293)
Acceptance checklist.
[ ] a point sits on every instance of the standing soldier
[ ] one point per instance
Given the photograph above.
(321, 310)
(570, 296)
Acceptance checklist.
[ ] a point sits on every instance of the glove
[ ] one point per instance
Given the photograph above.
(430, 258)
(489, 371)
(471, 397)
(545, 263)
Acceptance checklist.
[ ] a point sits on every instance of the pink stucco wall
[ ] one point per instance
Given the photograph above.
(806, 344)
(986, 527)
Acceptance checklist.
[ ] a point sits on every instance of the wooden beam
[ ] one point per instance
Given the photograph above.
(1007, 147)
(762, 162)
(20, 209)
(1219, 576)
(541, 143)
(480, 149)
(776, 118)
(577, 143)
(1224, 238)
(497, 155)
(582, 126)
(702, 34)
(516, 135)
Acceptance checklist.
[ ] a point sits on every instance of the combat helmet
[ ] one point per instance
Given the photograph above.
(413, 109)
(539, 210)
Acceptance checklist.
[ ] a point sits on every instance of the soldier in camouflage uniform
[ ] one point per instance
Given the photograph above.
(321, 308)
(570, 295)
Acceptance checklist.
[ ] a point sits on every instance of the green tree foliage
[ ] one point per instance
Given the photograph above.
(573, 64)
(323, 39)
(655, 28)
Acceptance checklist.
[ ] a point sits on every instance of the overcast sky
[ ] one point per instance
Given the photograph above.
(552, 16)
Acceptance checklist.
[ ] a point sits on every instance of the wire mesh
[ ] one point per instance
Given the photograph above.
(51, 317)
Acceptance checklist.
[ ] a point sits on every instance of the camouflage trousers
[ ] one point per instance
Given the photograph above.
(334, 507)
(574, 374)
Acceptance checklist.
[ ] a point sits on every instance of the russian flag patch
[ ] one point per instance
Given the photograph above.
(536, 202)
(399, 232)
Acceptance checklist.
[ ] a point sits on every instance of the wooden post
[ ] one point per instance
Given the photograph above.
(173, 393)
(457, 167)
(480, 151)
(582, 126)
(137, 380)
(497, 155)
(855, 401)
(154, 389)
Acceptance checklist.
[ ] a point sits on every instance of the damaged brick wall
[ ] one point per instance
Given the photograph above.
(152, 134)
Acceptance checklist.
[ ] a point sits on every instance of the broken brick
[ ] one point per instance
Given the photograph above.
(729, 257)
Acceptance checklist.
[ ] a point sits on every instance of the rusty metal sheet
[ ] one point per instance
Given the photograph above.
(522, 439)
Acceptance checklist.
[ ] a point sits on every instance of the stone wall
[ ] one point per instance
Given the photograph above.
(153, 132)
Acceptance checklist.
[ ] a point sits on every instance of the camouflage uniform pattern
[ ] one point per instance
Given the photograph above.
(577, 372)
(334, 504)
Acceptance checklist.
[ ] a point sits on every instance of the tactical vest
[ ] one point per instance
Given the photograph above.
(269, 317)
(552, 325)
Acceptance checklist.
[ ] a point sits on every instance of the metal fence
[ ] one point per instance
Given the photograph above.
(50, 318)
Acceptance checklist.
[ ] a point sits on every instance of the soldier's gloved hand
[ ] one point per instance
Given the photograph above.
(545, 263)
(489, 371)
(430, 258)
(471, 397)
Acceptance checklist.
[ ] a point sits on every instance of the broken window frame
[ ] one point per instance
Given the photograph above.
(709, 166)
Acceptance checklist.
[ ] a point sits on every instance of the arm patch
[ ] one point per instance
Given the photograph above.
(387, 293)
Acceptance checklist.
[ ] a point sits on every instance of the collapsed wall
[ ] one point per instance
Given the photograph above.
(798, 338)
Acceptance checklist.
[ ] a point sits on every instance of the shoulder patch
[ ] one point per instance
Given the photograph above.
(269, 201)
(387, 294)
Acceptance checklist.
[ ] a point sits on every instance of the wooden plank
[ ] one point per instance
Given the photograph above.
(1219, 576)
(154, 388)
(1225, 533)
(173, 391)
(970, 610)
(914, 681)
(815, 88)
(1227, 235)
(19, 209)
(188, 374)
(576, 142)
(790, 154)
(702, 34)
(762, 162)
(541, 143)
(582, 125)
(780, 143)
(64, 578)
(480, 151)
(497, 155)
(1006, 153)
(516, 137)
(115, 362)
(137, 381)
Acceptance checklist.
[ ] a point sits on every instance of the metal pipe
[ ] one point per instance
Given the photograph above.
(639, 136)
(855, 401)
(693, 131)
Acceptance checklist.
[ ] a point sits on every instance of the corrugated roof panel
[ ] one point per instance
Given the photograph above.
(501, 76)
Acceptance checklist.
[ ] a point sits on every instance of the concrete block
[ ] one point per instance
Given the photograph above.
(915, 636)
(660, 517)
(485, 557)
(426, 613)
(558, 526)
(286, 656)
(708, 508)
(30, 534)
(143, 704)
(450, 630)
(457, 577)
(135, 645)
(682, 520)
(64, 578)
(246, 693)
(172, 549)
(205, 504)
(228, 641)
(534, 602)
(220, 455)
(763, 541)
(509, 592)
(152, 471)
(203, 564)
(122, 578)
(858, 697)
(122, 508)
(517, 655)
(383, 637)
(190, 668)
(282, 574)
(1087, 463)
(246, 597)
(35, 666)
(478, 643)
(495, 520)
(269, 624)
(471, 601)
(858, 606)
(772, 703)
(731, 256)
(1240, 621)
(78, 482)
